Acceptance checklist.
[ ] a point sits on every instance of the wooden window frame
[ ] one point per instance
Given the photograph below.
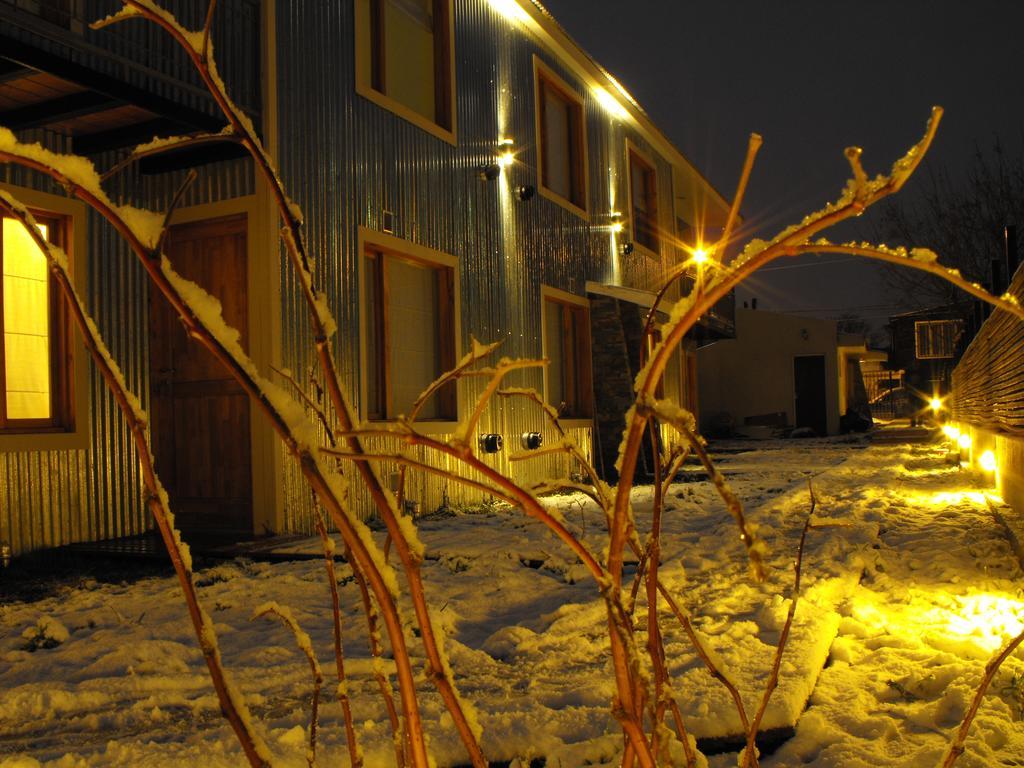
(651, 194)
(544, 77)
(68, 428)
(376, 245)
(581, 385)
(62, 407)
(930, 327)
(371, 85)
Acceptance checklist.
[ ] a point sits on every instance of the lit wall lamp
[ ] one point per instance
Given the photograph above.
(505, 157)
(617, 225)
(491, 443)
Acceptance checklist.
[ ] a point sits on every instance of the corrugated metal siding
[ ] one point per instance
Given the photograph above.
(988, 382)
(49, 498)
(356, 160)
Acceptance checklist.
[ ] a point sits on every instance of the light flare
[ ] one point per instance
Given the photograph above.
(987, 461)
(964, 440)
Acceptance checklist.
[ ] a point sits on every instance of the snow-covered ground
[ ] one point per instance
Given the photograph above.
(124, 684)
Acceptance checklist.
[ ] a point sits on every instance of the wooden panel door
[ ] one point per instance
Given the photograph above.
(809, 381)
(200, 414)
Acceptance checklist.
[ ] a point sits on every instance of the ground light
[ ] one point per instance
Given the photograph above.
(987, 461)
(951, 432)
(964, 440)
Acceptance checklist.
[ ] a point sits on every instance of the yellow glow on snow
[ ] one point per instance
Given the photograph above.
(987, 460)
(946, 498)
(964, 440)
(983, 620)
(951, 432)
(990, 620)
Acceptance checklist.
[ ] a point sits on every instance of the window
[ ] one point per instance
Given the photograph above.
(36, 374)
(936, 338)
(409, 306)
(404, 59)
(567, 348)
(560, 139)
(643, 200)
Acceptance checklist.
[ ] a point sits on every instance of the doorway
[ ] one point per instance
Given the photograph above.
(809, 385)
(200, 414)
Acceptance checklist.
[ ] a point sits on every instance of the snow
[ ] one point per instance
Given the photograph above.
(903, 648)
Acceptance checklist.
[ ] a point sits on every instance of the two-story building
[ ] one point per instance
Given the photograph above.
(464, 169)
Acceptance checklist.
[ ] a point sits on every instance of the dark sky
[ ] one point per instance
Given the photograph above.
(812, 77)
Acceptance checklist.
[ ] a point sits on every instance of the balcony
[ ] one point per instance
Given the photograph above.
(717, 324)
(114, 87)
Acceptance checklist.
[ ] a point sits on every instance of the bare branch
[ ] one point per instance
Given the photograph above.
(306, 646)
(290, 378)
(175, 202)
(956, 748)
(160, 146)
(750, 755)
(206, 29)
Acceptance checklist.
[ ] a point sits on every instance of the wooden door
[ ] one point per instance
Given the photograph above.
(809, 379)
(200, 414)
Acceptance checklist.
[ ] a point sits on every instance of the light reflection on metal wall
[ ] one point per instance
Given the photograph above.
(355, 161)
(48, 498)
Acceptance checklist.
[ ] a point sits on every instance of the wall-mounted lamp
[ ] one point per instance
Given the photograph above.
(505, 157)
(531, 441)
(617, 225)
(505, 154)
(490, 443)
(526, 192)
(626, 248)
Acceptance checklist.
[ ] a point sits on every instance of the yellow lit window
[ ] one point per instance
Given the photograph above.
(567, 348)
(404, 55)
(643, 201)
(560, 138)
(410, 334)
(32, 340)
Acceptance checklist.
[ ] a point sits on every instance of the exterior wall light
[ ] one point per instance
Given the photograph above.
(531, 441)
(505, 154)
(490, 171)
(951, 432)
(964, 440)
(700, 256)
(626, 248)
(935, 404)
(617, 225)
(491, 443)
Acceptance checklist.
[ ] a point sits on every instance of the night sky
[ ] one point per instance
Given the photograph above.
(812, 77)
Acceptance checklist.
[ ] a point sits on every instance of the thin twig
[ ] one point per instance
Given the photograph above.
(306, 646)
(327, 543)
(956, 748)
(750, 756)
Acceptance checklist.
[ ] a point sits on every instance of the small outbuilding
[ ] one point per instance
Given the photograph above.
(780, 372)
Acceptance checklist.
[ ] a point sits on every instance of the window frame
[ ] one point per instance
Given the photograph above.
(68, 427)
(368, 29)
(930, 326)
(446, 265)
(584, 385)
(647, 160)
(545, 77)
